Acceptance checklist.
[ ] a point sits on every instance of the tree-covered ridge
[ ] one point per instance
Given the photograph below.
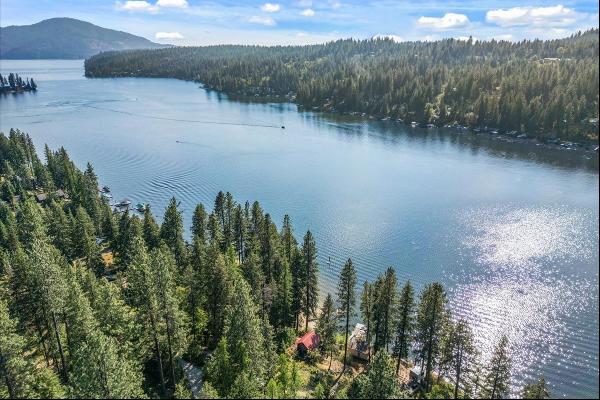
(76, 323)
(65, 38)
(543, 88)
(14, 83)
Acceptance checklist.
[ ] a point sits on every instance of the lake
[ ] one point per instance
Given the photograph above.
(510, 229)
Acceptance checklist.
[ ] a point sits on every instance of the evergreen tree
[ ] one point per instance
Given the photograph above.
(432, 317)
(219, 369)
(536, 390)
(309, 277)
(380, 380)
(497, 378)
(282, 303)
(199, 223)
(384, 308)
(347, 299)
(20, 377)
(151, 230)
(405, 324)
(327, 327)
(144, 296)
(163, 268)
(366, 310)
(461, 352)
(171, 231)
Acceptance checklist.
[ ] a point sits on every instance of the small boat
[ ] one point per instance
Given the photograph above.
(106, 189)
(141, 207)
(282, 126)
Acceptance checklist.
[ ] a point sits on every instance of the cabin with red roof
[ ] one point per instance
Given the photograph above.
(310, 341)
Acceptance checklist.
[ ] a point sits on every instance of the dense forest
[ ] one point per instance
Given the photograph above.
(97, 303)
(544, 89)
(14, 84)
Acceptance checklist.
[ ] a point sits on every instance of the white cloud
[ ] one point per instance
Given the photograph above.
(308, 12)
(395, 38)
(137, 5)
(506, 36)
(172, 3)
(168, 36)
(267, 21)
(335, 4)
(448, 21)
(547, 16)
(270, 7)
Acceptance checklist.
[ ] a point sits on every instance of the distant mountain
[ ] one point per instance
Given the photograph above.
(65, 38)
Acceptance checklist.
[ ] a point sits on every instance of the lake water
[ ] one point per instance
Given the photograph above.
(510, 229)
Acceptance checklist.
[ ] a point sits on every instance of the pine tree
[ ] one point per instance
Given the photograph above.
(405, 324)
(536, 390)
(219, 290)
(21, 378)
(497, 378)
(384, 308)
(150, 229)
(143, 295)
(171, 231)
(461, 351)
(288, 241)
(381, 381)
(219, 369)
(282, 303)
(366, 310)
(309, 277)
(297, 288)
(327, 327)
(431, 319)
(199, 223)
(347, 300)
(163, 268)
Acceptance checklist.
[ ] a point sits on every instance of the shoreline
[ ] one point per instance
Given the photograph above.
(589, 148)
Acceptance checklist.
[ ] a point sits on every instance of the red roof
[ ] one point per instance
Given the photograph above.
(310, 340)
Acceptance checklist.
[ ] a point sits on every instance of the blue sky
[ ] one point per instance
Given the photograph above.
(198, 22)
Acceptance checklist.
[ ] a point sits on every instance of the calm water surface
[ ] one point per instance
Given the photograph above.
(512, 231)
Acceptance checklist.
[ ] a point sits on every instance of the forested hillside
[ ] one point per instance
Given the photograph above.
(65, 38)
(546, 89)
(96, 303)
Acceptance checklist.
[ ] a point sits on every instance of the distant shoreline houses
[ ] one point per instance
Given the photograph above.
(15, 84)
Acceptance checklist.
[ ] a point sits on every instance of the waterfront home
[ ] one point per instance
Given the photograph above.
(359, 347)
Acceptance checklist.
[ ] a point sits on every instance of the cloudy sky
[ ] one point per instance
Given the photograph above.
(198, 22)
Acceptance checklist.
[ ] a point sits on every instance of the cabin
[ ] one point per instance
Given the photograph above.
(41, 197)
(308, 342)
(359, 347)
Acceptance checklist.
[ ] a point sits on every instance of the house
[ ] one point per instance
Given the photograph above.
(41, 197)
(358, 345)
(310, 341)
(61, 194)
